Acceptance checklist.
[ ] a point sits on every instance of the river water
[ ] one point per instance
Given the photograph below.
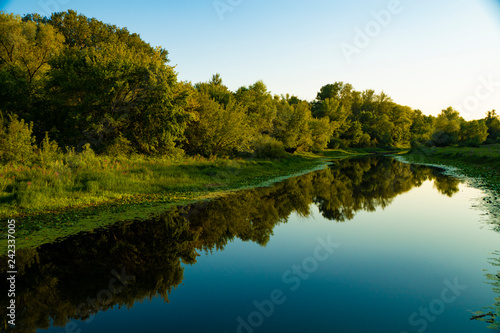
(366, 245)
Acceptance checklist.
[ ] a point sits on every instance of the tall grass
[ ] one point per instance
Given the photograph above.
(81, 179)
(78, 179)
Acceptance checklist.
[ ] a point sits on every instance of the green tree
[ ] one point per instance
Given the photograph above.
(421, 128)
(26, 48)
(218, 129)
(320, 132)
(291, 125)
(473, 133)
(354, 137)
(215, 89)
(260, 106)
(102, 93)
(447, 128)
(493, 123)
(17, 143)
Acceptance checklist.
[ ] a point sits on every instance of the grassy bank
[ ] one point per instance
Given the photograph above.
(482, 163)
(79, 192)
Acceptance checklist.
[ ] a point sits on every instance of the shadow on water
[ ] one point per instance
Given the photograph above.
(130, 261)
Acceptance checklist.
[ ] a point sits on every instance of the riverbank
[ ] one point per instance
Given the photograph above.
(482, 162)
(89, 191)
(480, 167)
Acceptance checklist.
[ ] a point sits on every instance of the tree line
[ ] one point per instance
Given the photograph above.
(70, 81)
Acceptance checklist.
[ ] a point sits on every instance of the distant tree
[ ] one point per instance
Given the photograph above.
(320, 132)
(381, 130)
(401, 117)
(447, 128)
(492, 121)
(218, 130)
(17, 143)
(421, 128)
(260, 106)
(215, 89)
(342, 92)
(473, 133)
(291, 125)
(293, 99)
(354, 137)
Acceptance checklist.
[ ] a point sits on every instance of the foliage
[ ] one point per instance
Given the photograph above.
(320, 133)
(267, 147)
(260, 107)
(473, 133)
(16, 140)
(493, 123)
(48, 152)
(219, 130)
(26, 48)
(291, 125)
(120, 146)
(447, 128)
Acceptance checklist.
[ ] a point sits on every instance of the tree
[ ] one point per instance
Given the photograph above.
(421, 128)
(218, 130)
(17, 143)
(26, 49)
(447, 128)
(401, 117)
(291, 125)
(260, 107)
(215, 89)
(113, 90)
(473, 133)
(320, 132)
(492, 121)
(354, 137)
(28, 45)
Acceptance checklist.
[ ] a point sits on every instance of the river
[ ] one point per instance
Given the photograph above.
(365, 245)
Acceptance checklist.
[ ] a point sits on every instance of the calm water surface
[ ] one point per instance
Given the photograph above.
(367, 245)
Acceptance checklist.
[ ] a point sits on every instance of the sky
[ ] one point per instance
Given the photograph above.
(425, 54)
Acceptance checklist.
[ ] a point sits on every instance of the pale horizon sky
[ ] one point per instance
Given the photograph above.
(426, 54)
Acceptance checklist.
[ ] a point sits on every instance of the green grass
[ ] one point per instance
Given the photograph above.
(80, 192)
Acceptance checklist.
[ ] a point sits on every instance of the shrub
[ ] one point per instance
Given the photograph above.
(85, 159)
(48, 152)
(267, 147)
(16, 140)
(120, 146)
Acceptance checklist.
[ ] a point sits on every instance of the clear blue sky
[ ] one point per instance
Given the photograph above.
(427, 54)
